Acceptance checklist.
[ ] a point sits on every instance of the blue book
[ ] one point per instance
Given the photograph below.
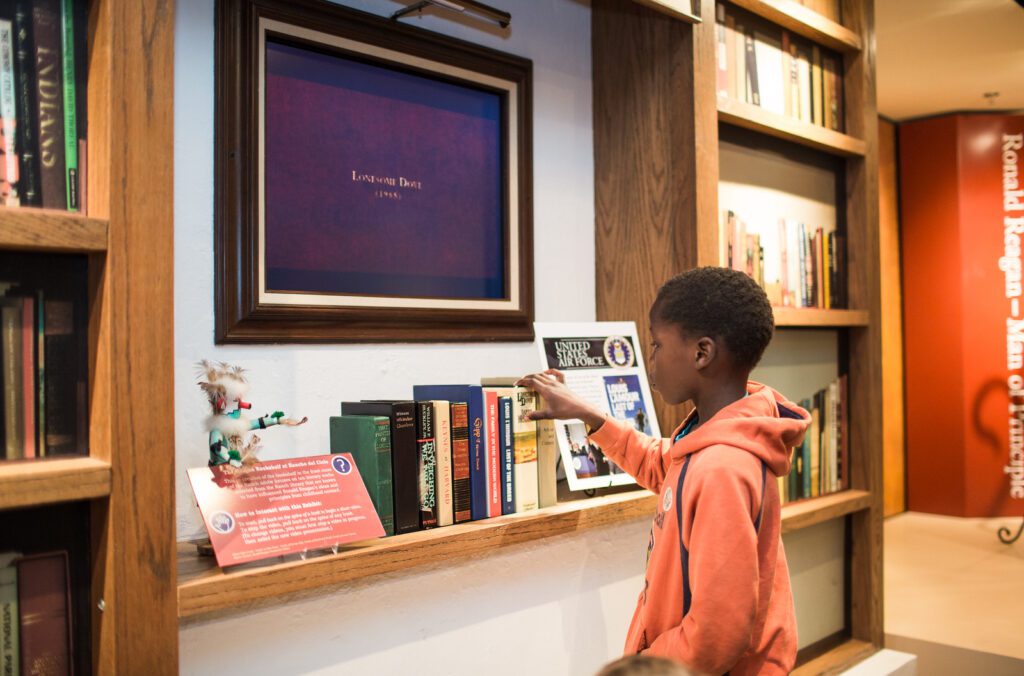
(474, 397)
(508, 491)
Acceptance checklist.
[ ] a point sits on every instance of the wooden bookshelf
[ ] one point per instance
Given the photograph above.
(837, 660)
(659, 139)
(816, 318)
(756, 118)
(28, 229)
(804, 21)
(25, 483)
(126, 488)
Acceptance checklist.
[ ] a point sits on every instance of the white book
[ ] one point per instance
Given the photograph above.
(768, 55)
(443, 439)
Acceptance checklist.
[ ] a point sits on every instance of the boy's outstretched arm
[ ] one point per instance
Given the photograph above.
(723, 571)
(640, 455)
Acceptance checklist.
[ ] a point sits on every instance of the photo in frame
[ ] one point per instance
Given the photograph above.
(373, 180)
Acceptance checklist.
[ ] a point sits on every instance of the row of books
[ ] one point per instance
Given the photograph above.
(821, 464)
(777, 71)
(797, 265)
(43, 103)
(454, 453)
(35, 614)
(42, 358)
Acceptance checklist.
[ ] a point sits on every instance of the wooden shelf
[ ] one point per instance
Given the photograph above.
(758, 119)
(679, 9)
(806, 513)
(205, 590)
(812, 317)
(50, 230)
(795, 17)
(837, 660)
(25, 483)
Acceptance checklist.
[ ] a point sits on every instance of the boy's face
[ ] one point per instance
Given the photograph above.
(676, 361)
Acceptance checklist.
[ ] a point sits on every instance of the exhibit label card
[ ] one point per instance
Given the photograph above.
(602, 364)
(283, 507)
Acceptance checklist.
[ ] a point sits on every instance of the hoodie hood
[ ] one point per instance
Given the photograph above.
(764, 423)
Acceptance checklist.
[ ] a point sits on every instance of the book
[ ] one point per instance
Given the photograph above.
(9, 618)
(507, 455)
(547, 461)
(14, 401)
(768, 55)
(493, 450)
(740, 48)
(44, 610)
(735, 90)
(28, 377)
(368, 439)
(25, 95)
(404, 456)
(426, 450)
(473, 396)
(844, 431)
(40, 345)
(817, 95)
(751, 67)
(444, 485)
(69, 78)
(461, 491)
(8, 116)
(46, 27)
(722, 72)
(61, 390)
(524, 433)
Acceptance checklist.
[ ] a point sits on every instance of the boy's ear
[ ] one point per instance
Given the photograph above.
(707, 351)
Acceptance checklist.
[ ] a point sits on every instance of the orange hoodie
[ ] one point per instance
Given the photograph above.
(718, 481)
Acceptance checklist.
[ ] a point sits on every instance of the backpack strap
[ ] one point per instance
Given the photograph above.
(684, 554)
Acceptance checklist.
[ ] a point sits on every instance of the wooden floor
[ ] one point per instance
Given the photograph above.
(951, 584)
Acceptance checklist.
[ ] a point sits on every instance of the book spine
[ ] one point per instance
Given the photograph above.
(805, 453)
(384, 488)
(67, 35)
(547, 461)
(10, 317)
(8, 115)
(817, 95)
(493, 454)
(28, 375)
(720, 51)
(735, 90)
(49, 103)
(508, 497)
(839, 113)
(524, 434)
(461, 491)
(443, 434)
(44, 610)
(40, 341)
(61, 388)
(844, 431)
(368, 440)
(25, 82)
(426, 451)
(787, 65)
(742, 83)
(751, 57)
(9, 648)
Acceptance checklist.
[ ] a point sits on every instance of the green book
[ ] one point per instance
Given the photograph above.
(8, 616)
(368, 439)
(67, 35)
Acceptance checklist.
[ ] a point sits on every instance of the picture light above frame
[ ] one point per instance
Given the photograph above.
(373, 180)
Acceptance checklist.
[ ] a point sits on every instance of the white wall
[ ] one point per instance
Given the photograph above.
(558, 606)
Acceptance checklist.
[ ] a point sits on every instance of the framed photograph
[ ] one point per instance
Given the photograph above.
(373, 180)
(602, 363)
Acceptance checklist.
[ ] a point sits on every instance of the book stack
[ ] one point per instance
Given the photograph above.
(451, 454)
(798, 265)
(43, 103)
(35, 614)
(821, 464)
(761, 64)
(43, 344)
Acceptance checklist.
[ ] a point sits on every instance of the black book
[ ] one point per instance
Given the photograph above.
(426, 446)
(404, 456)
(49, 102)
(25, 96)
(755, 95)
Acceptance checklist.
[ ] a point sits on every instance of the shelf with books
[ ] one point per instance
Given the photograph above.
(758, 119)
(46, 481)
(804, 21)
(819, 318)
(205, 590)
(805, 513)
(29, 229)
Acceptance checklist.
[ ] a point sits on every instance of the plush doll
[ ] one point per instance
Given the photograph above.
(226, 388)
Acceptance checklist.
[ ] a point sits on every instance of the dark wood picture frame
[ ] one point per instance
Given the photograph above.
(241, 315)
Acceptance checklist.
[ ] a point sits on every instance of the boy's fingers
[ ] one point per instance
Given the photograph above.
(556, 374)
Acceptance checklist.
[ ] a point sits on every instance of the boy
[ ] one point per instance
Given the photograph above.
(716, 595)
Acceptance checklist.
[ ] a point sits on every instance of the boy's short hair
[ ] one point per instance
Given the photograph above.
(644, 665)
(721, 303)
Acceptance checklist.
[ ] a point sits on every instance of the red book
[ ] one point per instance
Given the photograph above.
(493, 453)
(44, 609)
(28, 373)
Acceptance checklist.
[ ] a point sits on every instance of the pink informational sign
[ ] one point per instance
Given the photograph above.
(283, 507)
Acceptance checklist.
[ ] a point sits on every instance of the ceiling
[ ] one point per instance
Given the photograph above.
(936, 56)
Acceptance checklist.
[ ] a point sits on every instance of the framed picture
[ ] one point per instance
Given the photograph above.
(373, 180)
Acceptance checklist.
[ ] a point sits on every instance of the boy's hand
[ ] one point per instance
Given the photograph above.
(559, 401)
